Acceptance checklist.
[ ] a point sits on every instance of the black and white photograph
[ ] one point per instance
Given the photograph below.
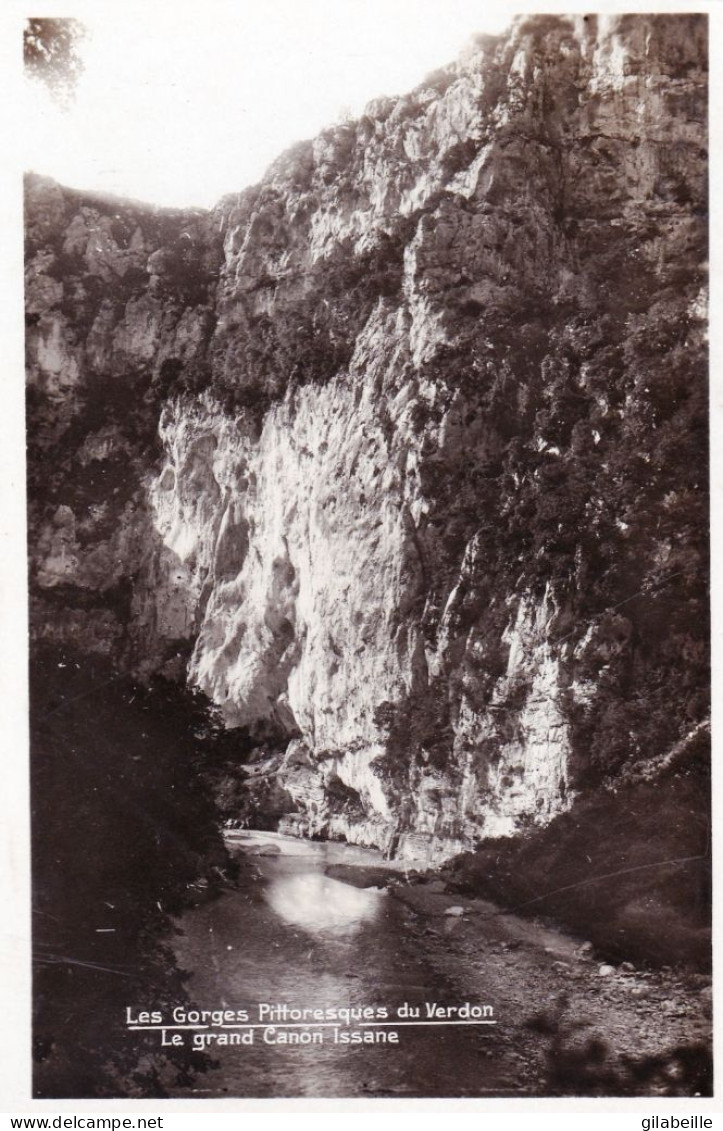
(368, 539)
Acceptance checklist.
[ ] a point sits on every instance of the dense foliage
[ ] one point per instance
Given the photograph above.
(125, 835)
(52, 54)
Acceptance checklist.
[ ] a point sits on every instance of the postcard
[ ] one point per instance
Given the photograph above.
(368, 547)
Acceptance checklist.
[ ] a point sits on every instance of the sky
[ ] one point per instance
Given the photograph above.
(181, 103)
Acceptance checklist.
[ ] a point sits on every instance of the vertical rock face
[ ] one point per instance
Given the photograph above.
(400, 454)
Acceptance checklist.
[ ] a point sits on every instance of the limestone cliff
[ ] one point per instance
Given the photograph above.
(400, 455)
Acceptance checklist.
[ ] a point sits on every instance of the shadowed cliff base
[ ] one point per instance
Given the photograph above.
(124, 835)
(630, 871)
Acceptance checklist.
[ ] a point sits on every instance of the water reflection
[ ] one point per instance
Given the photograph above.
(317, 903)
(292, 934)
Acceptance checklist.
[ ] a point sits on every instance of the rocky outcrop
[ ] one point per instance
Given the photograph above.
(118, 298)
(399, 455)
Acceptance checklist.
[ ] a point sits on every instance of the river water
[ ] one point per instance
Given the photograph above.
(292, 935)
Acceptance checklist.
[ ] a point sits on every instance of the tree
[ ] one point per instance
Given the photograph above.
(52, 55)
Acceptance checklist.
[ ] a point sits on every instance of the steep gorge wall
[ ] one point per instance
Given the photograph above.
(400, 455)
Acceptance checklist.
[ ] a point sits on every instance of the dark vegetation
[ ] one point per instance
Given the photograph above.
(306, 340)
(582, 1065)
(126, 411)
(254, 800)
(109, 253)
(417, 731)
(52, 54)
(596, 487)
(125, 835)
(582, 420)
(630, 871)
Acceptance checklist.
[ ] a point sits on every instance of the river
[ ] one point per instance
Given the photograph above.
(290, 934)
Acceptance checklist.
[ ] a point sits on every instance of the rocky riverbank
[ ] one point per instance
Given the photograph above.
(570, 1022)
